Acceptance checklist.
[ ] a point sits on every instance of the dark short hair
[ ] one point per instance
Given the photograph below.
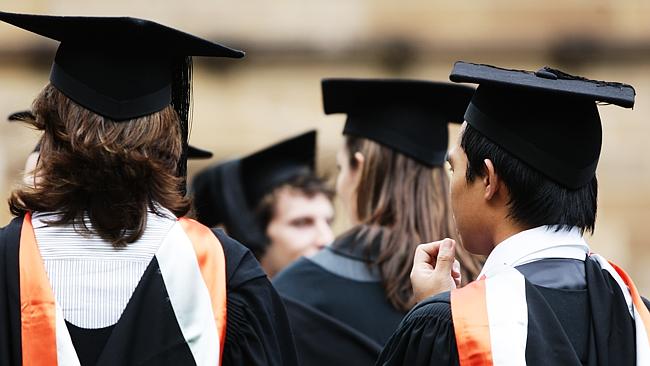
(308, 184)
(535, 200)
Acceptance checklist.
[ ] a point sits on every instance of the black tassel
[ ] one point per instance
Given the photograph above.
(182, 103)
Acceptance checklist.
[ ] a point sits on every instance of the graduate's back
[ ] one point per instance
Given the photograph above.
(101, 266)
(393, 185)
(524, 192)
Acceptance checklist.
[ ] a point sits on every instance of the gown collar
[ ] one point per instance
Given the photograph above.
(354, 245)
(535, 244)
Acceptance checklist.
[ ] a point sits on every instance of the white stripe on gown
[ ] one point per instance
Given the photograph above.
(93, 281)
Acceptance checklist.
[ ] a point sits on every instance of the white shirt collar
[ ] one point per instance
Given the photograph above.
(535, 244)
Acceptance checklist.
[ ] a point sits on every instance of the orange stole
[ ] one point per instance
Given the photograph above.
(212, 262)
(471, 325)
(37, 305)
(636, 298)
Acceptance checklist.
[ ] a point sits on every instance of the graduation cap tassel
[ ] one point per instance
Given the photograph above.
(182, 103)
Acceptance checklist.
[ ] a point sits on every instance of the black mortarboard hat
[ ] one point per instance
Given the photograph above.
(228, 193)
(549, 119)
(194, 152)
(122, 67)
(409, 116)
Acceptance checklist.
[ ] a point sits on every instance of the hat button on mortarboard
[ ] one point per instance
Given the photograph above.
(545, 73)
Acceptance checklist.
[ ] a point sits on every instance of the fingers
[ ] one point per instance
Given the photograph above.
(446, 256)
(455, 269)
(434, 269)
(425, 254)
(456, 274)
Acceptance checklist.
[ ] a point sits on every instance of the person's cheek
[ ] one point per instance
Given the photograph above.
(307, 240)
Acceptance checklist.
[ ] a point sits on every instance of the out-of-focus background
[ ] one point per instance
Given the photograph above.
(243, 105)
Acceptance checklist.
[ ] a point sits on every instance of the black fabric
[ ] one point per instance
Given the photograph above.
(277, 164)
(219, 199)
(119, 67)
(323, 340)
(356, 244)
(194, 152)
(123, 68)
(20, 116)
(409, 116)
(425, 336)
(360, 305)
(10, 343)
(228, 193)
(345, 310)
(548, 119)
(559, 137)
(544, 273)
(545, 79)
(613, 341)
(257, 332)
(558, 320)
(147, 332)
(588, 326)
(88, 343)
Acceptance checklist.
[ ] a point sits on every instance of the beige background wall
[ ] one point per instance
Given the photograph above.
(274, 92)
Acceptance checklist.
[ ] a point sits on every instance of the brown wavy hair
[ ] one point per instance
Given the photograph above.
(110, 172)
(405, 203)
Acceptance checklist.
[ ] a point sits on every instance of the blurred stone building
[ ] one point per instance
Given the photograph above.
(274, 92)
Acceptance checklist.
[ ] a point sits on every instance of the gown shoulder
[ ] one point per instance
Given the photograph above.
(257, 332)
(425, 336)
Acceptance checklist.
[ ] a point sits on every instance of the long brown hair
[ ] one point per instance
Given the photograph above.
(405, 203)
(113, 172)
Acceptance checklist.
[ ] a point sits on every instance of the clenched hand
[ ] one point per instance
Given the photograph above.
(435, 269)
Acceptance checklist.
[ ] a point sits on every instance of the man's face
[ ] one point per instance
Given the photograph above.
(299, 227)
(467, 202)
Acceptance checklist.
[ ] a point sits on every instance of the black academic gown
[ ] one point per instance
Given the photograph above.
(337, 306)
(577, 315)
(257, 331)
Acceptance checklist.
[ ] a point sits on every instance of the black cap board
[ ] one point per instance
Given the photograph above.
(229, 192)
(122, 67)
(193, 153)
(548, 119)
(118, 67)
(410, 116)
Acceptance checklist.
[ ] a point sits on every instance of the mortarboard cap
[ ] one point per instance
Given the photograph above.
(194, 152)
(410, 116)
(20, 116)
(549, 119)
(118, 67)
(228, 193)
(122, 67)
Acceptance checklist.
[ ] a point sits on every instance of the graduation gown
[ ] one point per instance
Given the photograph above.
(257, 331)
(576, 316)
(337, 306)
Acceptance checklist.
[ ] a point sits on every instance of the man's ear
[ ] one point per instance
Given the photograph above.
(491, 180)
(360, 160)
